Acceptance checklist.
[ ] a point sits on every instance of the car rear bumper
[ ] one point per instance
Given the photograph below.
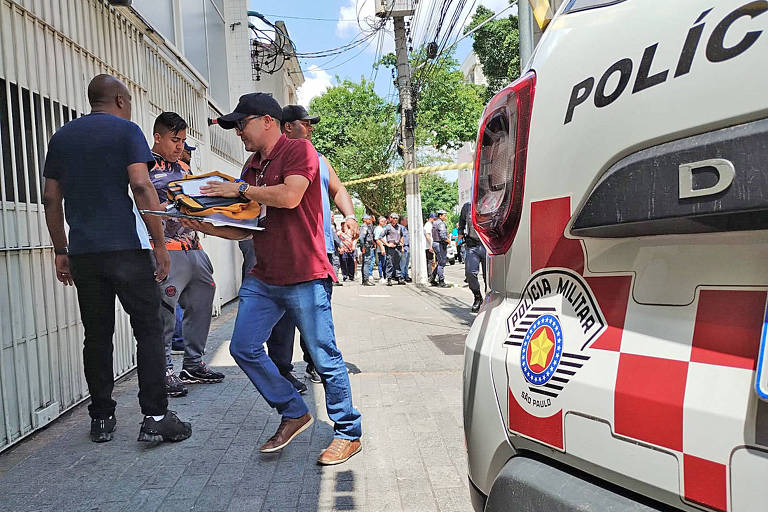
(528, 485)
(477, 497)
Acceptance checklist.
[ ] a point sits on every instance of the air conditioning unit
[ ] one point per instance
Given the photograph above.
(394, 8)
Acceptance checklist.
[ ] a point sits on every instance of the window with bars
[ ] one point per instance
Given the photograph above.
(27, 122)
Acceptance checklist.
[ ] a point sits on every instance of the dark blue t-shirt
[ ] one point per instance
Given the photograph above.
(89, 157)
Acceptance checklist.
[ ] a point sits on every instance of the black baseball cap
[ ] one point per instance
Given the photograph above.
(253, 104)
(298, 113)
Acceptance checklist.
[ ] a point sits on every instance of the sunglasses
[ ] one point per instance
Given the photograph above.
(240, 123)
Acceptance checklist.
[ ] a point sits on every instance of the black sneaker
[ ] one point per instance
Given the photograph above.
(368, 283)
(389, 282)
(477, 304)
(101, 430)
(170, 428)
(408, 280)
(200, 374)
(173, 385)
(312, 374)
(401, 281)
(443, 284)
(300, 386)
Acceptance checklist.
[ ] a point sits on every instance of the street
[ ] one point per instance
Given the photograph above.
(404, 349)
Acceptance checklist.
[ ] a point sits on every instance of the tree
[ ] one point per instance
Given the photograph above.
(357, 133)
(497, 45)
(437, 193)
(447, 109)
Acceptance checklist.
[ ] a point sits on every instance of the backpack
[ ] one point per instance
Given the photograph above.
(201, 206)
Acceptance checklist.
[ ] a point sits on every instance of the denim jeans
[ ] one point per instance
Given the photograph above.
(308, 304)
(382, 260)
(366, 267)
(178, 337)
(405, 258)
(280, 346)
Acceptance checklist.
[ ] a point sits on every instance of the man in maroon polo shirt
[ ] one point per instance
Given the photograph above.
(292, 275)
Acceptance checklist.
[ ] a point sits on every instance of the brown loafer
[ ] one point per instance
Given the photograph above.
(340, 450)
(288, 429)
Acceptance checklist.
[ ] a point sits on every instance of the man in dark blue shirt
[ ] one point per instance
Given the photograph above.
(91, 163)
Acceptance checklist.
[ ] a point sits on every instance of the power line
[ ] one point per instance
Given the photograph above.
(281, 16)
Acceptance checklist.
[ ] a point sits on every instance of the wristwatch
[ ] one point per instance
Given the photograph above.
(242, 189)
(61, 252)
(350, 217)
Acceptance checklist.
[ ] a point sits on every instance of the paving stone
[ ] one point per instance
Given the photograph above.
(408, 391)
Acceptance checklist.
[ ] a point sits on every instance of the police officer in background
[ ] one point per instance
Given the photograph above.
(440, 241)
(475, 255)
(393, 247)
(368, 249)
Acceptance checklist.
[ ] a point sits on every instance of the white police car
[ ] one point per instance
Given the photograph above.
(621, 187)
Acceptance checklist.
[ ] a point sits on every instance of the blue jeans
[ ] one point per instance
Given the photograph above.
(405, 258)
(308, 304)
(177, 335)
(367, 265)
(382, 260)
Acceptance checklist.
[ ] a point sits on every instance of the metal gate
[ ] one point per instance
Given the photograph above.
(49, 50)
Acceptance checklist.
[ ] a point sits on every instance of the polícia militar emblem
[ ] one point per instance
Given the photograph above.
(551, 330)
(541, 350)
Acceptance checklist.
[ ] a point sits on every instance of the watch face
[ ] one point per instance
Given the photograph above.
(243, 187)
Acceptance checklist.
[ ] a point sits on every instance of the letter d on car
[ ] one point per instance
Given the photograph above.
(725, 173)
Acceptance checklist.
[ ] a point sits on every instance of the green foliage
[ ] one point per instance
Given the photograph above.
(437, 193)
(356, 133)
(448, 109)
(497, 45)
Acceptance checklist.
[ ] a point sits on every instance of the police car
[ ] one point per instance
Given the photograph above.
(621, 188)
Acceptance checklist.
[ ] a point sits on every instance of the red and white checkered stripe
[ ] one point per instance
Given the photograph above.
(679, 378)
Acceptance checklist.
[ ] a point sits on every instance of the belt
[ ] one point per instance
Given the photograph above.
(178, 245)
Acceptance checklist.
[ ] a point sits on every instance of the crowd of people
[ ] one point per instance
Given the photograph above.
(164, 279)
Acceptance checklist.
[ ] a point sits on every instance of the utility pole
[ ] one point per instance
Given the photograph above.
(398, 10)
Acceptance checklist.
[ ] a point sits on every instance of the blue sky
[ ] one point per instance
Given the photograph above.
(336, 24)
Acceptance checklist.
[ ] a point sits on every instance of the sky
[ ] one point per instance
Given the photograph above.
(335, 24)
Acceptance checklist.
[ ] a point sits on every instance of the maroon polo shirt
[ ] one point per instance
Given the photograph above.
(291, 249)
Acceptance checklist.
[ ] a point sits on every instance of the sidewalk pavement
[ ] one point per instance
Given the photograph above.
(403, 346)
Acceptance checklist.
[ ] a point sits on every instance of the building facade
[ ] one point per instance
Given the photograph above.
(173, 55)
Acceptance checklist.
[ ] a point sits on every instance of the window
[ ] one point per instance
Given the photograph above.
(26, 127)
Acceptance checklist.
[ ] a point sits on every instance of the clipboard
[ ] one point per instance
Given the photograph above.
(217, 219)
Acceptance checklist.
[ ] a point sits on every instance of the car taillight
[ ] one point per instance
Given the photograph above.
(502, 147)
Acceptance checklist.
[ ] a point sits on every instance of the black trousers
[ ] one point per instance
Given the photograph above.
(348, 265)
(129, 275)
(393, 262)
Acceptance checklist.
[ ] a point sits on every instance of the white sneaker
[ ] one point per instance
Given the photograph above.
(382, 280)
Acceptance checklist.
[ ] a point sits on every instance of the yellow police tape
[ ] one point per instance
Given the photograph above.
(417, 170)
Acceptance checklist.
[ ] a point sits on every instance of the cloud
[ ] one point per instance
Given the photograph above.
(364, 10)
(316, 81)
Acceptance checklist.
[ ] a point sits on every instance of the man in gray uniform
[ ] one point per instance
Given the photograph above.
(190, 281)
(440, 242)
(475, 257)
(393, 245)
